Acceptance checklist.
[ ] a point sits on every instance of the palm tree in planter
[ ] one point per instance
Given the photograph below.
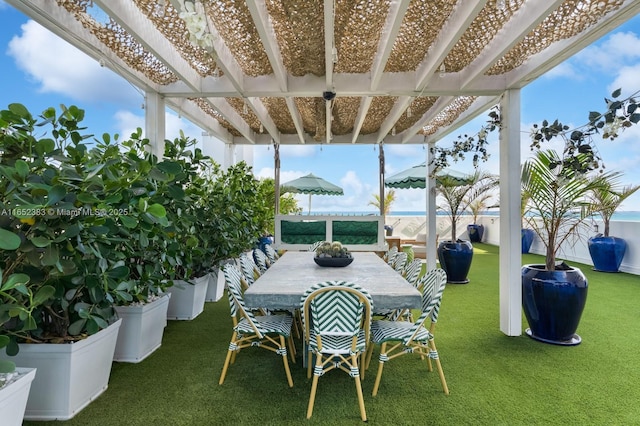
(554, 294)
(455, 255)
(389, 198)
(607, 251)
(477, 206)
(527, 233)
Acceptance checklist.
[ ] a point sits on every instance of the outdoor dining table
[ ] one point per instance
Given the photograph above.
(284, 283)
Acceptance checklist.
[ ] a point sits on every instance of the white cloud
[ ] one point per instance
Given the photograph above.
(615, 51)
(60, 68)
(563, 70)
(627, 80)
(406, 150)
(352, 183)
(297, 151)
(127, 123)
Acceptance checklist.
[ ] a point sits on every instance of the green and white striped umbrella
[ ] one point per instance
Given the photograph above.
(416, 177)
(311, 184)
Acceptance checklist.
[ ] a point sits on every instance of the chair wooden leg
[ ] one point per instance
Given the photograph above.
(309, 359)
(383, 350)
(227, 361)
(286, 363)
(363, 412)
(292, 349)
(369, 355)
(314, 387)
(445, 388)
(361, 366)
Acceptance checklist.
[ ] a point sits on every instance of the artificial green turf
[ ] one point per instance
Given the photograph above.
(493, 379)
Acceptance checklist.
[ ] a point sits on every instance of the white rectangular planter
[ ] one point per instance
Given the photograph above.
(13, 398)
(216, 286)
(187, 299)
(70, 375)
(141, 330)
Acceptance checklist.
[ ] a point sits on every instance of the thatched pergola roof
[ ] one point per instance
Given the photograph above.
(259, 72)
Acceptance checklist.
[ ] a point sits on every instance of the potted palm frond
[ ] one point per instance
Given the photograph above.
(527, 234)
(557, 189)
(455, 255)
(554, 294)
(608, 251)
(477, 206)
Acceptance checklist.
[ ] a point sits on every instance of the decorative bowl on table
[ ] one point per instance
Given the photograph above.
(332, 254)
(333, 261)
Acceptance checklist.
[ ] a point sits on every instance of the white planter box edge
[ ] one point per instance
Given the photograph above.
(141, 330)
(215, 291)
(70, 375)
(187, 299)
(13, 397)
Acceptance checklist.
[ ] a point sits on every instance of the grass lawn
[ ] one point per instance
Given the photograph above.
(493, 379)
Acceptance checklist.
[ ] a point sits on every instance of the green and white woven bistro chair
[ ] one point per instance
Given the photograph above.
(271, 332)
(411, 271)
(261, 260)
(399, 338)
(336, 317)
(250, 270)
(272, 254)
(412, 275)
(390, 255)
(399, 261)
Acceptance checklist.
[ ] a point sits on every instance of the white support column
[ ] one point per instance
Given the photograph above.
(229, 156)
(510, 216)
(213, 147)
(154, 119)
(431, 212)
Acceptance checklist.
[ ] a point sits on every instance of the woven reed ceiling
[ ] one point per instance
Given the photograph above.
(262, 72)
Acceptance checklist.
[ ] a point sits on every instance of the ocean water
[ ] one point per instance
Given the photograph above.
(622, 216)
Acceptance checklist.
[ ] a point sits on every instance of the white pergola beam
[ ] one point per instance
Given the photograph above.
(232, 116)
(296, 117)
(388, 37)
(460, 19)
(478, 106)
(365, 103)
(521, 23)
(262, 113)
(329, 46)
(128, 16)
(267, 34)
(452, 30)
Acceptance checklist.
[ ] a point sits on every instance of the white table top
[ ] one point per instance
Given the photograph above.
(284, 283)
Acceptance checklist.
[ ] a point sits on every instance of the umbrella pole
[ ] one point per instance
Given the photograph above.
(309, 212)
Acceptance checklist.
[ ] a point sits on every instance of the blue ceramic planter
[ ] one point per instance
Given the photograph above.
(527, 240)
(475, 232)
(455, 258)
(607, 253)
(553, 302)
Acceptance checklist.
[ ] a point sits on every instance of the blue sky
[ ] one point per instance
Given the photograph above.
(40, 70)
